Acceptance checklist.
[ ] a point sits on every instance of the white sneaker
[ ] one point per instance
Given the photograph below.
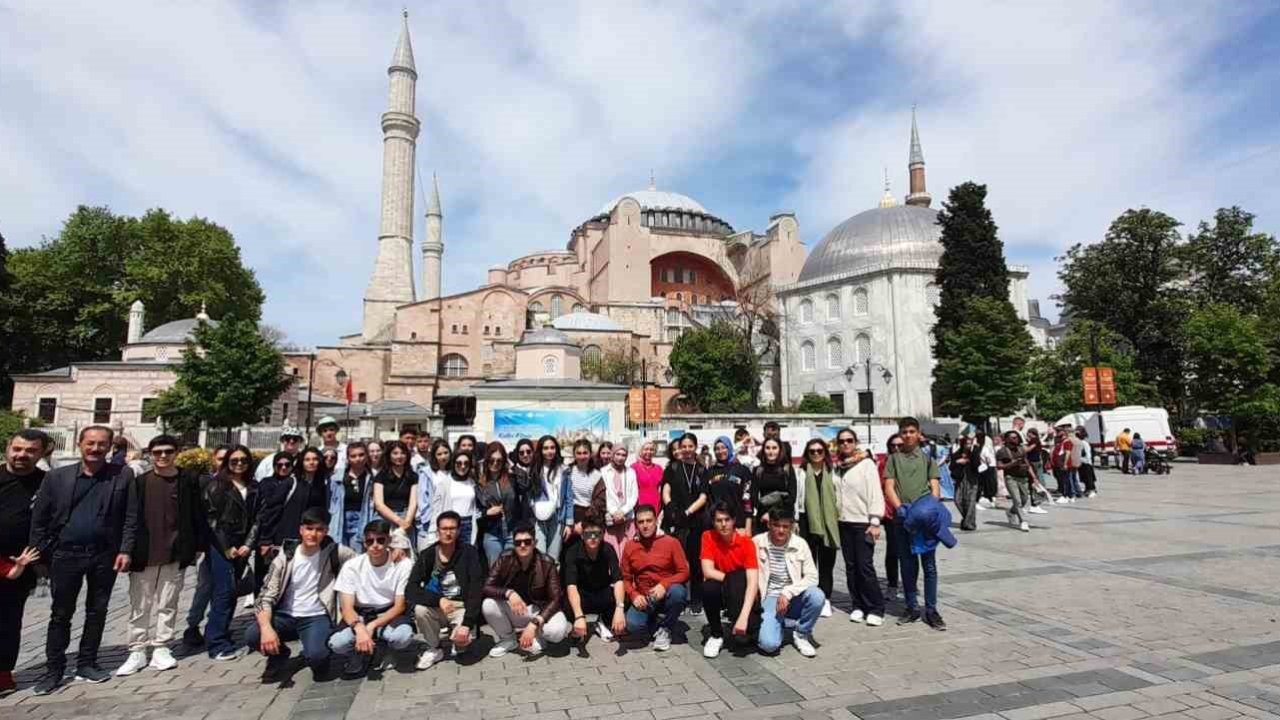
(162, 659)
(662, 640)
(874, 621)
(984, 503)
(1024, 527)
(1037, 510)
(712, 648)
(856, 616)
(503, 647)
(535, 648)
(804, 645)
(1092, 494)
(1072, 500)
(603, 631)
(431, 657)
(136, 661)
(826, 608)
(1062, 501)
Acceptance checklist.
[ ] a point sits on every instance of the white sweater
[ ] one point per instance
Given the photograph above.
(859, 497)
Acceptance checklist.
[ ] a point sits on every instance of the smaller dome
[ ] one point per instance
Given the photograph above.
(177, 331)
(586, 321)
(658, 200)
(545, 336)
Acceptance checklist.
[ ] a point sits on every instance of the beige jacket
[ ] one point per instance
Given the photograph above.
(859, 496)
(276, 584)
(800, 565)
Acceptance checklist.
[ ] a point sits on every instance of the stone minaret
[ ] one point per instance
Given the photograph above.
(433, 244)
(392, 280)
(136, 314)
(918, 195)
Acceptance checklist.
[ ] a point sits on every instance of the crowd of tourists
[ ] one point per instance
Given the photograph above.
(362, 552)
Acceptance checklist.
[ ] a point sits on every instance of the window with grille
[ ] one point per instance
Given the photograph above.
(808, 357)
(933, 294)
(102, 410)
(860, 301)
(47, 410)
(453, 365)
(833, 307)
(861, 348)
(592, 353)
(806, 311)
(835, 353)
(550, 366)
(148, 411)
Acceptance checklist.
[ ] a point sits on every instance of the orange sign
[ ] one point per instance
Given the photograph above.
(644, 406)
(635, 406)
(1099, 385)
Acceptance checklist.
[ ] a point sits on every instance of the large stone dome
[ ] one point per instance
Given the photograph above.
(900, 236)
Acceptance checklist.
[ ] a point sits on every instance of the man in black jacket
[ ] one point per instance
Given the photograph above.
(169, 526)
(84, 523)
(445, 590)
(19, 481)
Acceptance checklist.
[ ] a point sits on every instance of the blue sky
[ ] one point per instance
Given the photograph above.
(264, 118)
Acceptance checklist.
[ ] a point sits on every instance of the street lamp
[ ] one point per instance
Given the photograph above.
(340, 377)
(866, 366)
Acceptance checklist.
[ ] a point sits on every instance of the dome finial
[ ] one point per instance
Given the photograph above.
(653, 181)
(886, 200)
(202, 315)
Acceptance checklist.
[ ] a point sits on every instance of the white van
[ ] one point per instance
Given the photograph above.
(1152, 423)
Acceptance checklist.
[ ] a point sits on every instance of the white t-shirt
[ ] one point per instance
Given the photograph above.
(375, 586)
(547, 505)
(303, 597)
(462, 497)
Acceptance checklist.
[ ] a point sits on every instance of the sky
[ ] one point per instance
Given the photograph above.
(264, 117)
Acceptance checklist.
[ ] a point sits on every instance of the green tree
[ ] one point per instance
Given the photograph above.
(229, 376)
(1228, 360)
(611, 366)
(815, 404)
(983, 372)
(1055, 382)
(716, 368)
(1229, 263)
(972, 263)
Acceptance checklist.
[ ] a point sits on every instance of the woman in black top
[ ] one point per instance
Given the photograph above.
(521, 466)
(231, 507)
(728, 481)
(773, 483)
(684, 494)
(395, 489)
(496, 502)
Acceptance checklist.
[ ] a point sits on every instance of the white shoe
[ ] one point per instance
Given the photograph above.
(712, 648)
(1092, 494)
(136, 661)
(985, 503)
(162, 659)
(804, 645)
(875, 620)
(1037, 510)
(535, 648)
(503, 647)
(1062, 501)
(1072, 500)
(603, 631)
(826, 608)
(248, 602)
(662, 640)
(856, 616)
(431, 657)
(1024, 527)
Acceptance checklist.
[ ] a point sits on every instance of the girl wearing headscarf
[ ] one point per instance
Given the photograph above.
(729, 480)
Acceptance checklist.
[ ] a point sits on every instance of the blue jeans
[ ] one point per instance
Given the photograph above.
(222, 600)
(398, 635)
(670, 607)
(494, 545)
(1072, 488)
(804, 609)
(548, 537)
(200, 600)
(351, 530)
(313, 631)
(911, 564)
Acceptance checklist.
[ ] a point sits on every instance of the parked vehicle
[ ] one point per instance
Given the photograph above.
(1151, 422)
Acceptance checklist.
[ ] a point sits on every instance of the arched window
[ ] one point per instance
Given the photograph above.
(550, 366)
(535, 307)
(556, 301)
(453, 365)
(861, 348)
(933, 294)
(806, 311)
(808, 357)
(592, 353)
(833, 307)
(835, 353)
(860, 301)
(577, 307)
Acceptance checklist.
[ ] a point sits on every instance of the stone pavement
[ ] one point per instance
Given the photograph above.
(1157, 599)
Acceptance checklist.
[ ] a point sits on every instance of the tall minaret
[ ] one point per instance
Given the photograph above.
(918, 195)
(433, 244)
(392, 280)
(136, 314)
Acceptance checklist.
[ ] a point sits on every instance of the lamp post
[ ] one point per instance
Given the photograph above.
(340, 377)
(866, 366)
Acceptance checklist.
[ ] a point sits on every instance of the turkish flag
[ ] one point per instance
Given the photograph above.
(350, 394)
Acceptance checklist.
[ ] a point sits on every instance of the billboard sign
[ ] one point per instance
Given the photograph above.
(509, 425)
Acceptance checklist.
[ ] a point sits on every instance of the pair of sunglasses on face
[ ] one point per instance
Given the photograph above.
(382, 540)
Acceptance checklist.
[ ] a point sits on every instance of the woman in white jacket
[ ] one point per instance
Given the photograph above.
(860, 506)
(621, 492)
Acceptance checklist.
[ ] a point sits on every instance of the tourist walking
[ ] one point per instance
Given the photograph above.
(965, 460)
(1036, 456)
(892, 561)
(1138, 454)
(1084, 464)
(1012, 459)
(1124, 446)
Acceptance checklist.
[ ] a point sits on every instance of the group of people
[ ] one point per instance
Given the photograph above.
(357, 549)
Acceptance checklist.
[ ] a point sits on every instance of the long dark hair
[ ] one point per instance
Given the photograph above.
(322, 472)
(539, 466)
(222, 477)
(387, 467)
(483, 477)
(784, 457)
(592, 464)
(431, 455)
(521, 443)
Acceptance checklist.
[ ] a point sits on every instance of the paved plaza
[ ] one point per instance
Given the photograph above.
(1159, 598)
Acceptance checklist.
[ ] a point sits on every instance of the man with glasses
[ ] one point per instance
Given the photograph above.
(654, 573)
(523, 593)
(593, 584)
(371, 597)
(20, 479)
(445, 590)
(168, 534)
(290, 444)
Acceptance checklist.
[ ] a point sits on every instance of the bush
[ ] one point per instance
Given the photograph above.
(196, 460)
(12, 422)
(1192, 440)
(815, 404)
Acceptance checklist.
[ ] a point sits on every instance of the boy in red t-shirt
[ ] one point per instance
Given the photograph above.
(730, 580)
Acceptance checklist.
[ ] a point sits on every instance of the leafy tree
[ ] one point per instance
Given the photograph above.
(1228, 360)
(983, 372)
(813, 403)
(1055, 382)
(611, 366)
(972, 263)
(716, 368)
(229, 376)
(278, 338)
(1229, 263)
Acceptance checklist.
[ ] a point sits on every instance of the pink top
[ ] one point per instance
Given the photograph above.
(648, 478)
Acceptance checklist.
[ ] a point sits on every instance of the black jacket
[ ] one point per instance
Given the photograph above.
(274, 494)
(191, 522)
(465, 563)
(687, 483)
(777, 482)
(231, 520)
(117, 512)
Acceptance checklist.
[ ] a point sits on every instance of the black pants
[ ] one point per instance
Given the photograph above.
(860, 568)
(594, 602)
(989, 484)
(891, 562)
(823, 556)
(1088, 477)
(68, 571)
(728, 595)
(13, 598)
(691, 538)
(1124, 461)
(966, 499)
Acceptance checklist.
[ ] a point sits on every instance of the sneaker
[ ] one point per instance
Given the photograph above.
(48, 682)
(429, 658)
(934, 620)
(7, 684)
(662, 640)
(875, 620)
(1062, 500)
(1093, 493)
(193, 637)
(826, 608)
(712, 647)
(1025, 527)
(1072, 500)
(356, 666)
(908, 616)
(1037, 510)
(162, 659)
(804, 645)
(602, 629)
(276, 665)
(229, 655)
(856, 616)
(503, 647)
(535, 648)
(135, 662)
(92, 674)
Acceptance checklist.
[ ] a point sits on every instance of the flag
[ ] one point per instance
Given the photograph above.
(350, 394)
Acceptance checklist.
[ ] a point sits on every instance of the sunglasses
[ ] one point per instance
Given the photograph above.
(525, 542)
(592, 535)
(896, 445)
(163, 452)
(817, 451)
(525, 451)
(238, 461)
(847, 441)
(376, 541)
(284, 465)
(495, 461)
